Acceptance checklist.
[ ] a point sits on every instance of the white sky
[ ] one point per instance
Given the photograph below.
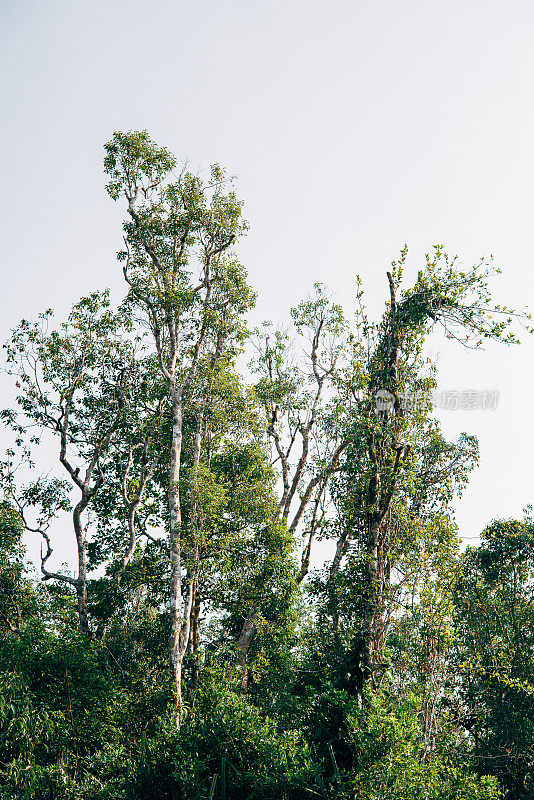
(353, 127)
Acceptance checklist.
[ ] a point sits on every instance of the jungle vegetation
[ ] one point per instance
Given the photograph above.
(198, 648)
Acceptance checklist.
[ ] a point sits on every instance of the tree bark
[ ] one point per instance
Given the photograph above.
(176, 636)
(248, 631)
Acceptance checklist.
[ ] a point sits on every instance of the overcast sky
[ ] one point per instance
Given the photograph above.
(353, 128)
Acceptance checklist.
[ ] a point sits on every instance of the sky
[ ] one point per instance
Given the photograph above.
(352, 128)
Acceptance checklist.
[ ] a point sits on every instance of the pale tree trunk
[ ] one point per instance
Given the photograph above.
(180, 606)
(185, 612)
(248, 631)
(81, 581)
(175, 549)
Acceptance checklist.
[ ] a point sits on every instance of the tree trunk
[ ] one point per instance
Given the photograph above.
(363, 656)
(81, 593)
(246, 636)
(175, 654)
(81, 581)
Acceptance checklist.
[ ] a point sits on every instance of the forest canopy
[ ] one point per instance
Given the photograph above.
(199, 648)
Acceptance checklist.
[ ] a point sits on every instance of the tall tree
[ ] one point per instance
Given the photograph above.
(185, 280)
(305, 386)
(399, 467)
(73, 383)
